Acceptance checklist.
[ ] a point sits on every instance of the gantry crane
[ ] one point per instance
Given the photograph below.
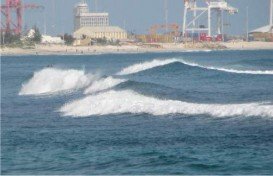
(14, 25)
(190, 6)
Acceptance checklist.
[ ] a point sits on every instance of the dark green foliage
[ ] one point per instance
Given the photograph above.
(104, 41)
(37, 35)
(9, 38)
(68, 39)
(101, 41)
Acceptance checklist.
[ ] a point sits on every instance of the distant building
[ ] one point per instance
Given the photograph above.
(108, 32)
(264, 33)
(83, 18)
(88, 26)
(46, 39)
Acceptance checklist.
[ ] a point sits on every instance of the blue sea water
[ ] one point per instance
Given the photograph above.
(152, 113)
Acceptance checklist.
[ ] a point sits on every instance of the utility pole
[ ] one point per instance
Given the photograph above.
(222, 25)
(166, 15)
(247, 37)
(44, 22)
(96, 5)
(63, 21)
(53, 16)
(209, 21)
(271, 13)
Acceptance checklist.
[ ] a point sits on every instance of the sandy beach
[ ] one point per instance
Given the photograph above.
(159, 47)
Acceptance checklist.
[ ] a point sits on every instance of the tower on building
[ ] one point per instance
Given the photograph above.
(84, 18)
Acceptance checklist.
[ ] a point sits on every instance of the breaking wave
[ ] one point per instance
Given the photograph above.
(253, 72)
(157, 62)
(145, 66)
(103, 84)
(52, 80)
(126, 101)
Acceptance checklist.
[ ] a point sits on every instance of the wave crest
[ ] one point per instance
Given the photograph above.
(253, 72)
(135, 68)
(145, 66)
(117, 102)
(52, 80)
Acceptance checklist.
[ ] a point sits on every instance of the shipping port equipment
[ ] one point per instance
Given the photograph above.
(10, 7)
(193, 12)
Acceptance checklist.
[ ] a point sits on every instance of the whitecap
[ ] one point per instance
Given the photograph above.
(135, 68)
(127, 101)
(253, 72)
(52, 80)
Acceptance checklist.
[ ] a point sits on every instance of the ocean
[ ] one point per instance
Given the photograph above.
(206, 112)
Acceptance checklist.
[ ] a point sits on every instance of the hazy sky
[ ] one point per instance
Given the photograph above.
(139, 15)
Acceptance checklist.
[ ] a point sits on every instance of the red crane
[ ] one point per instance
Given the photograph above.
(14, 25)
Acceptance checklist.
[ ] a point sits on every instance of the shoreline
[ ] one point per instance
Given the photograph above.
(135, 49)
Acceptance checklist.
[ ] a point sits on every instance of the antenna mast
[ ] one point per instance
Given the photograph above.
(166, 15)
(271, 13)
(96, 5)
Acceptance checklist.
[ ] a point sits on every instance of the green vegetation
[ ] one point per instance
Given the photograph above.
(37, 36)
(105, 41)
(68, 39)
(16, 41)
(10, 39)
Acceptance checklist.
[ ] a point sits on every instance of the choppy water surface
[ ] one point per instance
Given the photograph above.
(159, 113)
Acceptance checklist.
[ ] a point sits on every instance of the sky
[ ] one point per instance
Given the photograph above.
(138, 15)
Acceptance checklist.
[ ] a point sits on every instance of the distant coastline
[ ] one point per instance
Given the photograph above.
(133, 48)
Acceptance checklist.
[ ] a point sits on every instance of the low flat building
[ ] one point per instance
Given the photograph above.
(262, 34)
(108, 32)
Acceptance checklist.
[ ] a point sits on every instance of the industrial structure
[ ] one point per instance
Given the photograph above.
(265, 33)
(88, 26)
(10, 7)
(193, 12)
(169, 35)
(83, 18)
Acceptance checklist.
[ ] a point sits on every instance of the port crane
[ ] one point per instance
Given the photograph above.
(12, 25)
(192, 8)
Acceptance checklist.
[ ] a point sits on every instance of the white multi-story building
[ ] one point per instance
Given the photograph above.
(83, 18)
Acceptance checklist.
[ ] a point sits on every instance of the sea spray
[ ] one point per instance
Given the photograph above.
(52, 80)
(127, 101)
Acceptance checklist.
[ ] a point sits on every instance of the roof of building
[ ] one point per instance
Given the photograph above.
(263, 29)
(95, 14)
(90, 30)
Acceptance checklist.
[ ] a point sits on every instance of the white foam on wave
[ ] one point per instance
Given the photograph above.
(52, 80)
(103, 84)
(145, 66)
(157, 62)
(253, 72)
(126, 101)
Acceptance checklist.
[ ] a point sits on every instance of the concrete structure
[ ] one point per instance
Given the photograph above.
(265, 33)
(46, 39)
(218, 6)
(83, 18)
(108, 32)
